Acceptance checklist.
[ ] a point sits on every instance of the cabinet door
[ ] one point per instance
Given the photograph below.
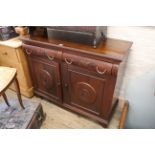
(46, 78)
(85, 91)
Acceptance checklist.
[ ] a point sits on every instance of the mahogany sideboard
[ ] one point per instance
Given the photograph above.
(77, 77)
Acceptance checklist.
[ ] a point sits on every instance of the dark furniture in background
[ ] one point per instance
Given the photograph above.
(77, 77)
(7, 32)
(90, 35)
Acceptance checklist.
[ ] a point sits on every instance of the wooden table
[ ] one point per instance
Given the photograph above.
(8, 76)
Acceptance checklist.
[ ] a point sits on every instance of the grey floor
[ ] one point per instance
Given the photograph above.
(58, 118)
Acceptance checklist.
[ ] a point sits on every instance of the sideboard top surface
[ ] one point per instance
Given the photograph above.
(111, 48)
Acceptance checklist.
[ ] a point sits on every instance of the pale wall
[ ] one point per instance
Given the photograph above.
(139, 80)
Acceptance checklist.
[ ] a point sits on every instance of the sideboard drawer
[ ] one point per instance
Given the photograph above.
(100, 67)
(8, 54)
(51, 54)
(38, 51)
(33, 50)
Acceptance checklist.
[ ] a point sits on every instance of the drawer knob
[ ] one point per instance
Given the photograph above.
(28, 52)
(49, 57)
(100, 72)
(68, 62)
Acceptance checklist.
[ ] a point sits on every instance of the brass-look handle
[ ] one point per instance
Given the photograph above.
(28, 52)
(68, 62)
(50, 58)
(100, 72)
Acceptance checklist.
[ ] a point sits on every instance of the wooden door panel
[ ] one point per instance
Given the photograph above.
(46, 78)
(85, 91)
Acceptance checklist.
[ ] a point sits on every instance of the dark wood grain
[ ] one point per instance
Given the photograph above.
(77, 77)
(110, 49)
(46, 78)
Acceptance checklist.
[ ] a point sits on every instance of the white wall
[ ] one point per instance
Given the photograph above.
(139, 79)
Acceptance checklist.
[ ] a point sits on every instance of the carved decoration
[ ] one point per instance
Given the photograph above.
(33, 49)
(101, 67)
(46, 80)
(115, 69)
(85, 92)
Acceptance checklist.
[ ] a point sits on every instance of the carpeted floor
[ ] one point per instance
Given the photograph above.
(58, 118)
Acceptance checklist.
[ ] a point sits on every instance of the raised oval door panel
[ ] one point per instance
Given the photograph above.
(46, 78)
(83, 90)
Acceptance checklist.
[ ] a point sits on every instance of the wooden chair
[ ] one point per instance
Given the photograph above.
(7, 77)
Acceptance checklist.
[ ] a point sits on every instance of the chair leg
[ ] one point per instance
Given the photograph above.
(18, 92)
(5, 99)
